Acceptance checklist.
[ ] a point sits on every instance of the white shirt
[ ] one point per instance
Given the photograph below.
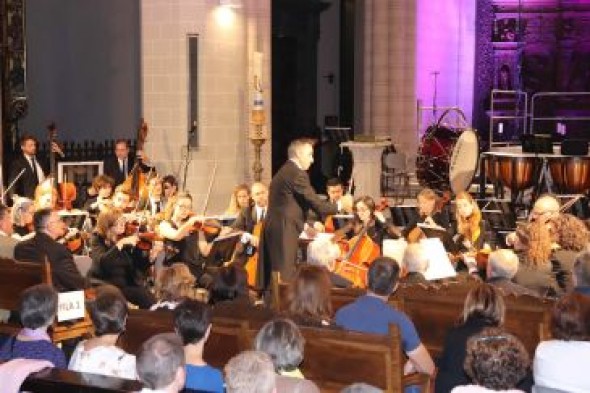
(122, 165)
(563, 365)
(104, 360)
(259, 211)
(40, 174)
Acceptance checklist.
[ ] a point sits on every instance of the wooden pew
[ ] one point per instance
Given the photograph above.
(54, 380)
(225, 341)
(17, 276)
(335, 359)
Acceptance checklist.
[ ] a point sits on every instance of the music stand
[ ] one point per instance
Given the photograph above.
(222, 249)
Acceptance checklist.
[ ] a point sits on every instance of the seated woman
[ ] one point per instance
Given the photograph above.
(192, 322)
(309, 300)
(365, 219)
(429, 212)
(38, 307)
(484, 307)
(116, 260)
(536, 268)
(173, 285)
(45, 196)
(100, 354)
(572, 237)
(22, 219)
(102, 185)
(561, 363)
(283, 342)
(230, 297)
(170, 188)
(240, 199)
(178, 230)
(495, 361)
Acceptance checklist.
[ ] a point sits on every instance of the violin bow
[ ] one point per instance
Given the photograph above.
(570, 203)
(211, 181)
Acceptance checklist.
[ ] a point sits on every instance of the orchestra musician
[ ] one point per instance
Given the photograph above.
(33, 174)
(102, 185)
(470, 229)
(291, 196)
(45, 196)
(7, 242)
(121, 199)
(170, 188)
(119, 166)
(545, 209)
(117, 261)
(334, 191)
(365, 218)
(179, 231)
(428, 213)
(240, 199)
(22, 219)
(152, 202)
(44, 245)
(253, 214)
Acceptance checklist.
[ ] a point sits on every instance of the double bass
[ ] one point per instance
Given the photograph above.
(136, 182)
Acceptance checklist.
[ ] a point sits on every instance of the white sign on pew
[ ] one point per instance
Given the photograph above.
(70, 305)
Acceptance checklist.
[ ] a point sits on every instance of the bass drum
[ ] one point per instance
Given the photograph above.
(447, 160)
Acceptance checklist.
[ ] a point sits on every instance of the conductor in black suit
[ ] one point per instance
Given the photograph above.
(291, 197)
(119, 166)
(33, 173)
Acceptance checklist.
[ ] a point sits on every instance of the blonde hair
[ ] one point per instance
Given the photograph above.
(502, 263)
(427, 193)
(175, 282)
(484, 301)
(234, 208)
(106, 220)
(468, 226)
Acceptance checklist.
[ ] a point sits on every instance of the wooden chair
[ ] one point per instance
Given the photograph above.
(17, 276)
(335, 359)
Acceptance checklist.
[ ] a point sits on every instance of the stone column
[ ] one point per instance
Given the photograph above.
(387, 97)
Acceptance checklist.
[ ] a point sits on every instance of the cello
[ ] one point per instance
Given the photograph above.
(355, 264)
(136, 182)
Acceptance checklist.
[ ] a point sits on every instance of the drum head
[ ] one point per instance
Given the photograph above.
(434, 157)
(464, 161)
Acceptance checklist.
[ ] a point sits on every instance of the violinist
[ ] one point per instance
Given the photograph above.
(180, 234)
(117, 261)
(121, 199)
(470, 229)
(253, 214)
(22, 219)
(365, 217)
(170, 188)
(119, 166)
(103, 187)
(428, 213)
(240, 199)
(45, 196)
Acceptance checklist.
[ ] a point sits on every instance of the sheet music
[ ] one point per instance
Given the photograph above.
(395, 248)
(319, 235)
(439, 265)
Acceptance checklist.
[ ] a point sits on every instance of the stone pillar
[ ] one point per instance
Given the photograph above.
(387, 97)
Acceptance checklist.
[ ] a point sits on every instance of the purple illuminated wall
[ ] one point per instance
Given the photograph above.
(446, 43)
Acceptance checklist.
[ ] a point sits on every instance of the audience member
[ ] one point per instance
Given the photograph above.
(496, 361)
(38, 307)
(415, 263)
(160, 364)
(22, 213)
(562, 363)
(192, 322)
(230, 296)
(572, 236)
(536, 269)
(174, 284)
(250, 372)
(49, 227)
(100, 354)
(361, 388)
(484, 307)
(7, 242)
(283, 342)
(501, 269)
(324, 252)
(309, 300)
(371, 314)
(581, 276)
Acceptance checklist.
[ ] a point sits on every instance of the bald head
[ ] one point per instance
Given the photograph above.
(259, 194)
(545, 208)
(502, 264)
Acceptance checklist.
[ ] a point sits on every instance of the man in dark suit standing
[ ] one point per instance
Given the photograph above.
(119, 166)
(32, 171)
(49, 227)
(291, 197)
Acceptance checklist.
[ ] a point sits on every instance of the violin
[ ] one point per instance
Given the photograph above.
(66, 192)
(208, 226)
